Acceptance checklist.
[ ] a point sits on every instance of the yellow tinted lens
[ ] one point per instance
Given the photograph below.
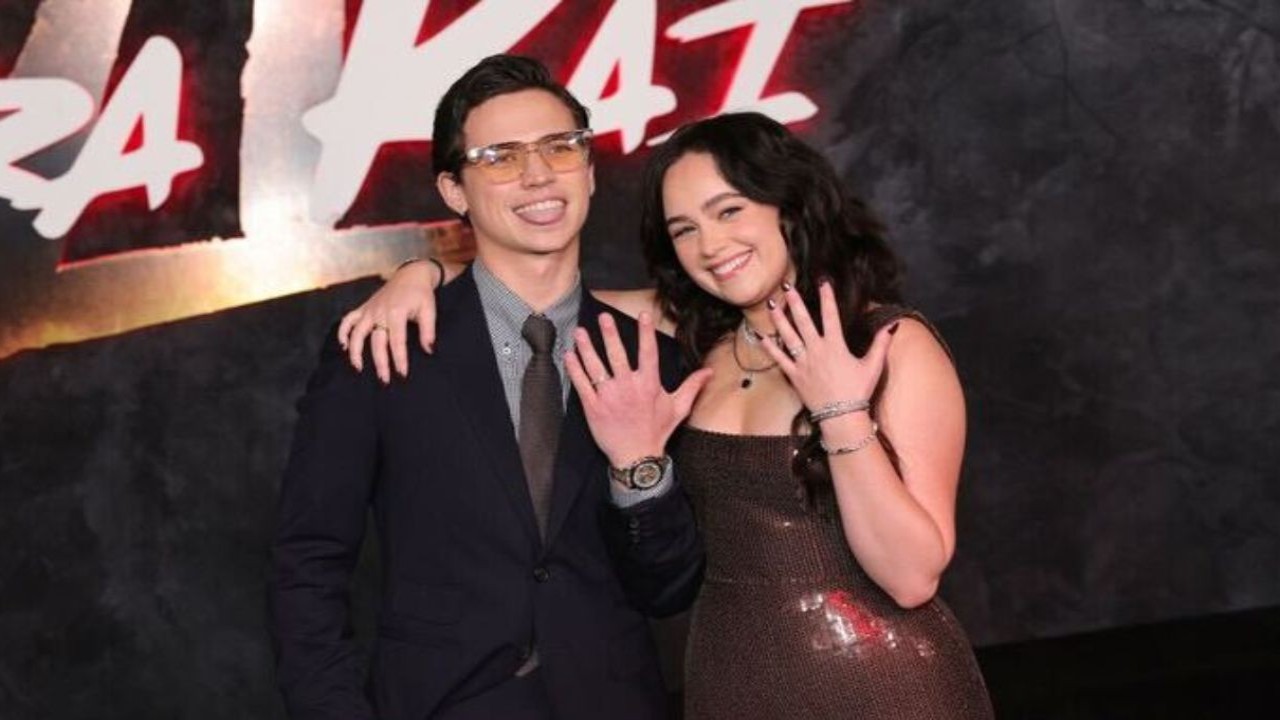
(504, 162)
(563, 154)
(500, 158)
(500, 163)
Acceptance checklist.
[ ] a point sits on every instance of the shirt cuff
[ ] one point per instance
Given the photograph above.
(624, 498)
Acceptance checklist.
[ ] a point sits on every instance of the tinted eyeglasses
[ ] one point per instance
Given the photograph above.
(503, 162)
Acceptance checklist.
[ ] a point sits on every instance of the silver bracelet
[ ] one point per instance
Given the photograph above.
(433, 261)
(836, 409)
(847, 449)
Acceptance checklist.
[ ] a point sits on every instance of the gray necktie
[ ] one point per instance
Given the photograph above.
(541, 411)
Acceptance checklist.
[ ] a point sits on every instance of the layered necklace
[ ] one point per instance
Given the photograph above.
(751, 339)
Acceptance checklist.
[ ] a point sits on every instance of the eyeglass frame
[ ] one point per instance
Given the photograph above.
(474, 156)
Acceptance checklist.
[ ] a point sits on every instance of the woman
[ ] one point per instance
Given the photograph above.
(824, 455)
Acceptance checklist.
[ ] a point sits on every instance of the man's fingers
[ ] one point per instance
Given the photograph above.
(613, 348)
(578, 376)
(648, 350)
(682, 399)
(591, 362)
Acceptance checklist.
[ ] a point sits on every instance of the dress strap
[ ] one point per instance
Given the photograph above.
(882, 315)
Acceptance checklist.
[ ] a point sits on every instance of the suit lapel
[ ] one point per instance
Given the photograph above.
(465, 350)
(577, 455)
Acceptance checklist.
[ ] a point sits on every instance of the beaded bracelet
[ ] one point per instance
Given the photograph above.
(837, 408)
(847, 449)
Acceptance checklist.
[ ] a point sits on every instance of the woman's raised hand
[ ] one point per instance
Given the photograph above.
(819, 365)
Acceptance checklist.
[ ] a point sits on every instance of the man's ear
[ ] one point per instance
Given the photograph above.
(451, 191)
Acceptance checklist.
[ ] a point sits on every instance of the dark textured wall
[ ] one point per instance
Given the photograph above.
(138, 486)
(1086, 194)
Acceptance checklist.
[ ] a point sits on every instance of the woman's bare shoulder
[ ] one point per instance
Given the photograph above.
(634, 302)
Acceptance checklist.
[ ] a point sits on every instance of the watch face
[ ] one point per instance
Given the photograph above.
(646, 475)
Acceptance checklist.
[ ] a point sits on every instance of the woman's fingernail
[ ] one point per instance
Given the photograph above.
(893, 328)
(786, 287)
(771, 304)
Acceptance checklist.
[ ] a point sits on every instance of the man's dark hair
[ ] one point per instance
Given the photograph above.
(495, 75)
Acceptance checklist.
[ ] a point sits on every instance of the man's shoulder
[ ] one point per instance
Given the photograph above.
(457, 289)
(631, 328)
(457, 306)
(671, 360)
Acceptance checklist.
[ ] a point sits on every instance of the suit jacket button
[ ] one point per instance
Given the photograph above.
(634, 523)
(541, 574)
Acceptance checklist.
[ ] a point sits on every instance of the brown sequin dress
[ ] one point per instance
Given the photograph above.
(787, 624)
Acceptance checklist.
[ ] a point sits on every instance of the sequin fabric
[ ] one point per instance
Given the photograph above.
(787, 624)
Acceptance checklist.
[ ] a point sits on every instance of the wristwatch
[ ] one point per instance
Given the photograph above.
(641, 474)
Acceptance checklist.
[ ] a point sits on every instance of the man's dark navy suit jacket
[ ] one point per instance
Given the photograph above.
(468, 586)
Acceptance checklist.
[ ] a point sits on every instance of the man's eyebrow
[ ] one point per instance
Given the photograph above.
(517, 143)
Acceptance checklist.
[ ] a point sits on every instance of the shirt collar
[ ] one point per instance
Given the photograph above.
(506, 311)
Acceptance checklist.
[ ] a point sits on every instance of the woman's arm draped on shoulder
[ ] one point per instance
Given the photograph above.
(408, 295)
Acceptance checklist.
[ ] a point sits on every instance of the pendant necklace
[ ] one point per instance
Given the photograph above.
(752, 339)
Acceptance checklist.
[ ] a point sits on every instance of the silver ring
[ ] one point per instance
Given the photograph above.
(795, 352)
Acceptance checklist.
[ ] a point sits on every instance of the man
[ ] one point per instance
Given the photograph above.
(518, 552)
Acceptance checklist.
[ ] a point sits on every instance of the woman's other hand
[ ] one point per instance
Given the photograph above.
(384, 317)
(819, 364)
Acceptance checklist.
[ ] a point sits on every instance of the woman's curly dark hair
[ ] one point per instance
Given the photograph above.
(829, 234)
